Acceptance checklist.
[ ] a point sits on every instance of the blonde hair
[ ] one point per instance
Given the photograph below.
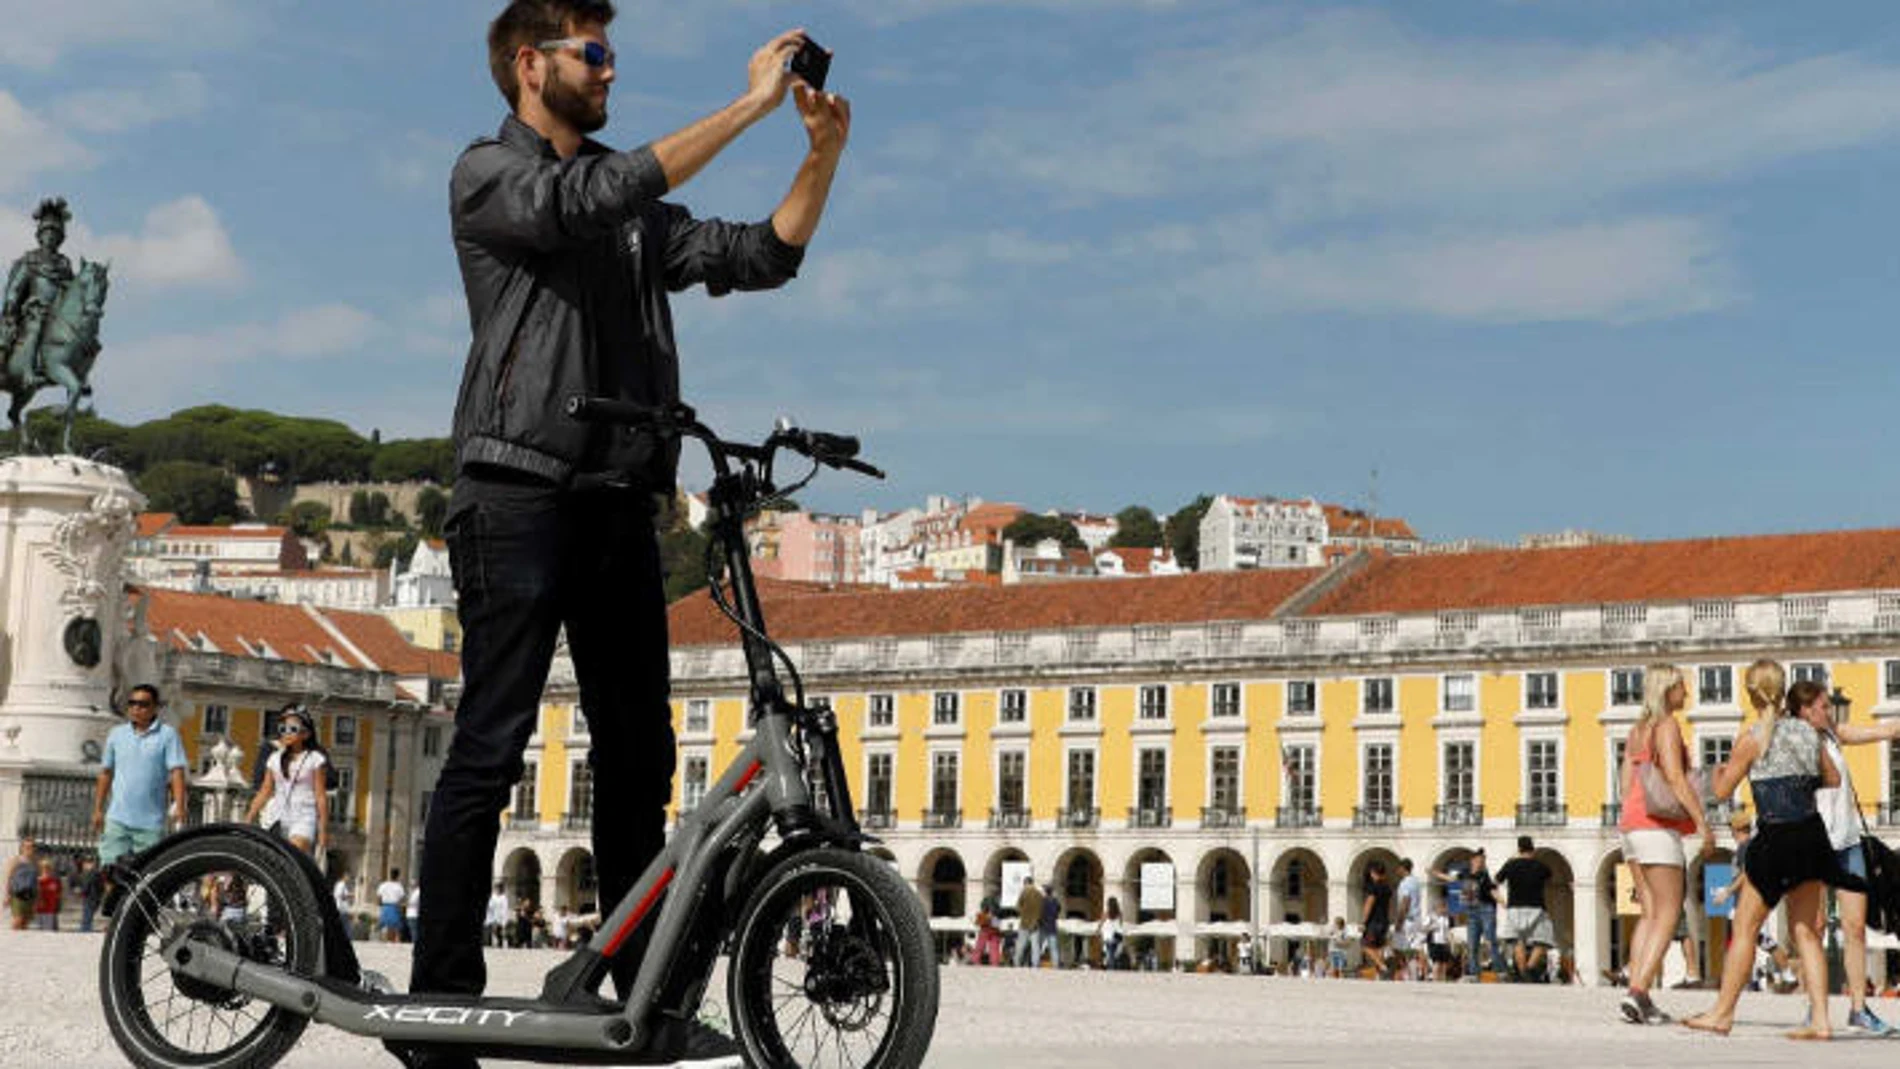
(1767, 687)
(1658, 681)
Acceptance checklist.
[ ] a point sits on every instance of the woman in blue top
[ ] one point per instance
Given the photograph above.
(1782, 756)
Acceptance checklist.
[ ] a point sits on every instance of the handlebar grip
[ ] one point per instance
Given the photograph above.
(628, 413)
(861, 468)
(832, 446)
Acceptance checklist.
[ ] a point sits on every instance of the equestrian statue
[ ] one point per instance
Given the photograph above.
(49, 322)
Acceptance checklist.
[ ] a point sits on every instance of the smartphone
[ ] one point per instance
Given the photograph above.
(811, 63)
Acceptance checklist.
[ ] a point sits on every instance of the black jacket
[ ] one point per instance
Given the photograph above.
(567, 264)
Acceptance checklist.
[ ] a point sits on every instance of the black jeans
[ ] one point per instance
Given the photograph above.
(528, 561)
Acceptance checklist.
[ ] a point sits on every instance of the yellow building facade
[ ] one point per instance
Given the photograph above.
(1229, 753)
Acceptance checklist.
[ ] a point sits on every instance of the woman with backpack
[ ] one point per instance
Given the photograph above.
(1653, 829)
(294, 784)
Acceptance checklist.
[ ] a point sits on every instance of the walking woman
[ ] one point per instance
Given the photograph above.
(293, 784)
(1839, 811)
(1375, 920)
(1782, 756)
(1652, 844)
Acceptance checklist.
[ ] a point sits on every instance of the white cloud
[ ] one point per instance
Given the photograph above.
(1349, 114)
(111, 111)
(30, 146)
(417, 161)
(39, 34)
(951, 274)
(183, 243)
(163, 369)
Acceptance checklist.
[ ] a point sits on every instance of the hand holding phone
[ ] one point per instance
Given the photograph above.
(811, 63)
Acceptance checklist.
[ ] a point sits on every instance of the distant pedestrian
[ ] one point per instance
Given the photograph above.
(141, 758)
(1524, 878)
(293, 792)
(1338, 948)
(89, 887)
(1782, 756)
(989, 939)
(1028, 914)
(23, 883)
(495, 922)
(1410, 940)
(1114, 936)
(1375, 919)
(389, 896)
(1652, 843)
(1438, 941)
(1841, 813)
(46, 899)
(1047, 941)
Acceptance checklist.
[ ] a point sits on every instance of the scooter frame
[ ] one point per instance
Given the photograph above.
(707, 864)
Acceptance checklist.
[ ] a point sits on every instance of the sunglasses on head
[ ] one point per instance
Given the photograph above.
(592, 53)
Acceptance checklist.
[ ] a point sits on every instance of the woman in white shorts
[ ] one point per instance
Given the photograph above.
(1652, 845)
(291, 793)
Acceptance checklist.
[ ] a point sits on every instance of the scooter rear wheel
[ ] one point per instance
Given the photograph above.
(833, 966)
(238, 894)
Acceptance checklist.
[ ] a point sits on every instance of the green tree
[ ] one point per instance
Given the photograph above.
(409, 459)
(198, 493)
(92, 436)
(1030, 528)
(683, 561)
(308, 518)
(432, 508)
(1184, 532)
(347, 558)
(369, 508)
(396, 551)
(1136, 526)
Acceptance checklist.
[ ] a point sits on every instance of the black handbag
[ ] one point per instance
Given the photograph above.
(1883, 874)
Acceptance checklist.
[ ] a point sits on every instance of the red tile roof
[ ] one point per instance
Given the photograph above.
(1354, 523)
(1139, 560)
(382, 643)
(1108, 603)
(1763, 565)
(274, 534)
(151, 523)
(174, 617)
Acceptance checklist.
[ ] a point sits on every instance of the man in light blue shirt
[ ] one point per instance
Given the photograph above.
(141, 757)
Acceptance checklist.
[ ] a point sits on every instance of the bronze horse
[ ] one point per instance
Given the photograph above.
(69, 343)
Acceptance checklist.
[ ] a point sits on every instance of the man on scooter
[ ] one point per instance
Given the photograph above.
(567, 254)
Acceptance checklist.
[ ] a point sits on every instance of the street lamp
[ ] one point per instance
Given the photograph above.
(1839, 704)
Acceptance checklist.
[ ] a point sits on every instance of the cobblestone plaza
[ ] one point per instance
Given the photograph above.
(994, 1018)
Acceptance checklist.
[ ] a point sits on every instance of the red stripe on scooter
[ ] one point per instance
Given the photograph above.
(639, 912)
(750, 772)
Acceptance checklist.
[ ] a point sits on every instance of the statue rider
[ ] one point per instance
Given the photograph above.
(34, 286)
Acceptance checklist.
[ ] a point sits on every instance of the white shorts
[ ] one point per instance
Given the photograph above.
(1529, 924)
(1654, 846)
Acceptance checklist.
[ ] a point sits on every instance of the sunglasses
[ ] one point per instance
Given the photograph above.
(140, 703)
(291, 729)
(593, 53)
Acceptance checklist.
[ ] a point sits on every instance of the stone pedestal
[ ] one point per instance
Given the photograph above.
(64, 526)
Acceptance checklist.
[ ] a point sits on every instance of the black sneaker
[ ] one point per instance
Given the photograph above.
(694, 1045)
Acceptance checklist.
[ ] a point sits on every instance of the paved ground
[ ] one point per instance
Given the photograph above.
(1001, 1018)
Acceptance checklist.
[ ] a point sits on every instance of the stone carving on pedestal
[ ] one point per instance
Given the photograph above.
(87, 548)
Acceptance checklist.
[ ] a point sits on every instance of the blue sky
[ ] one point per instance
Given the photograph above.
(1608, 264)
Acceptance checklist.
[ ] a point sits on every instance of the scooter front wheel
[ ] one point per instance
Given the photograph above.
(833, 966)
(237, 894)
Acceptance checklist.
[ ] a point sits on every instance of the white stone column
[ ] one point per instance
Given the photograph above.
(1590, 939)
(64, 526)
(1187, 908)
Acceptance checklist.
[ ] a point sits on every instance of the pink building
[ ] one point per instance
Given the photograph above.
(807, 547)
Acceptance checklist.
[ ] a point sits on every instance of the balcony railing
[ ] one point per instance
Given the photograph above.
(1543, 816)
(524, 821)
(1457, 815)
(1151, 817)
(1222, 816)
(1009, 817)
(877, 818)
(1612, 814)
(1888, 815)
(1078, 817)
(583, 821)
(1296, 816)
(1375, 816)
(943, 818)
